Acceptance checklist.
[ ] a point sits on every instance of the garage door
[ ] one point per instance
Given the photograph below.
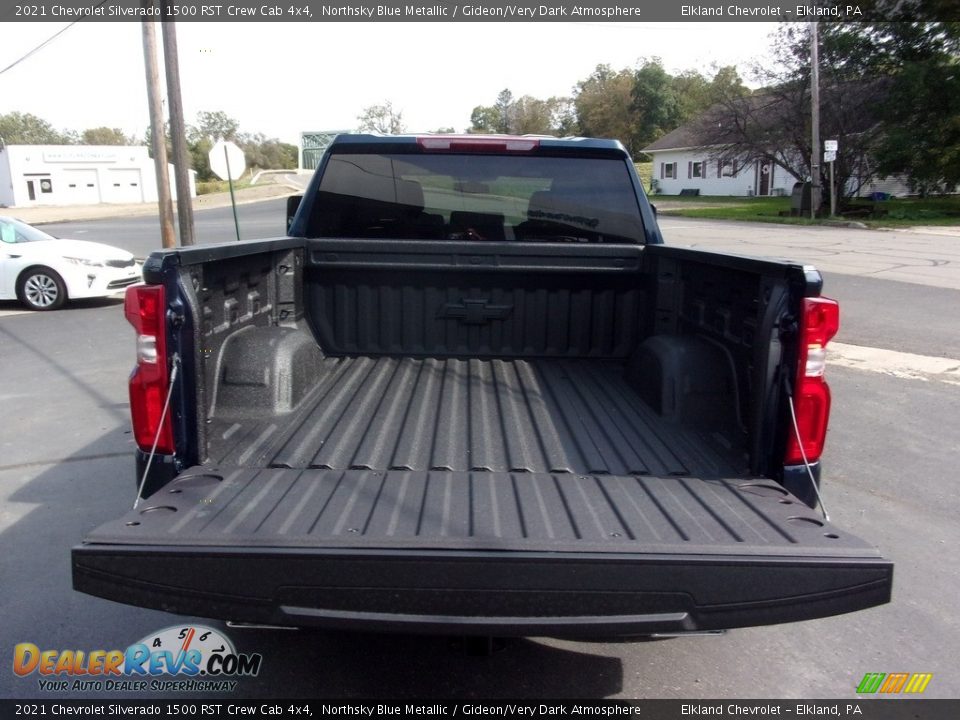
(123, 186)
(81, 187)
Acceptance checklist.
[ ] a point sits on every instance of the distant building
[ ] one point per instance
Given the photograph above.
(681, 163)
(79, 175)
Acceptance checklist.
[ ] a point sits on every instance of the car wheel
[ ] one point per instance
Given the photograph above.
(41, 289)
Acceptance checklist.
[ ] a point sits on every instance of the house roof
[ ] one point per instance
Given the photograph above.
(685, 136)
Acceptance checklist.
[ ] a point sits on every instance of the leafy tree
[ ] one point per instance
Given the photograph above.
(484, 119)
(691, 91)
(504, 111)
(148, 139)
(524, 116)
(603, 104)
(920, 115)
(381, 119)
(267, 153)
(105, 136)
(215, 126)
(199, 151)
(18, 128)
(656, 108)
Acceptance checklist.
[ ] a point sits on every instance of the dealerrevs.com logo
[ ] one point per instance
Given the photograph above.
(177, 658)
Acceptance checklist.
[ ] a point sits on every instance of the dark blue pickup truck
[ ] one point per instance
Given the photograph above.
(471, 391)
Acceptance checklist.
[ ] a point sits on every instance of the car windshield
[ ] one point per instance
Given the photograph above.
(15, 231)
(477, 197)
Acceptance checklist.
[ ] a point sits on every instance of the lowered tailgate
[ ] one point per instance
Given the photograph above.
(480, 552)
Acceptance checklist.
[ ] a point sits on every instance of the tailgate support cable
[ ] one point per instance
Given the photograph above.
(803, 454)
(163, 415)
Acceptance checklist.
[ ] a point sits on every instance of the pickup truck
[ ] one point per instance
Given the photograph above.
(472, 392)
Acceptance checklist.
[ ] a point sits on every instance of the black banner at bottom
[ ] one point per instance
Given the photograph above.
(857, 709)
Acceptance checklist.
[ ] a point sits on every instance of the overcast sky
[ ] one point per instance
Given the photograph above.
(282, 78)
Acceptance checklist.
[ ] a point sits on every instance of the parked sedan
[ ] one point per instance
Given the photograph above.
(43, 272)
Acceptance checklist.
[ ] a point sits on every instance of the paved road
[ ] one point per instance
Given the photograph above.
(65, 467)
(927, 258)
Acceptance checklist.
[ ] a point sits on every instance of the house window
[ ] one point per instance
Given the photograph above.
(696, 170)
(726, 168)
(668, 170)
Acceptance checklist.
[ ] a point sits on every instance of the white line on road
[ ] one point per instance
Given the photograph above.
(897, 364)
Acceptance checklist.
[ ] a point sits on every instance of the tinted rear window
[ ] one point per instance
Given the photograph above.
(477, 197)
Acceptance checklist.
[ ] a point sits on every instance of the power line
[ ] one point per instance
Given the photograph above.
(39, 47)
(46, 42)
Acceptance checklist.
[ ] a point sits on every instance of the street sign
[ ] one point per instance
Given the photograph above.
(830, 146)
(829, 156)
(219, 158)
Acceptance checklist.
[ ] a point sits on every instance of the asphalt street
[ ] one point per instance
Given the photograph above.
(66, 466)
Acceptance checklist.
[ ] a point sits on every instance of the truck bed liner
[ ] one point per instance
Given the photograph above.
(533, 416)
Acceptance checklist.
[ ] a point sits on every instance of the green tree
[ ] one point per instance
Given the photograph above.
(215, 125)
(656, 107)
(18, 128)
(525, 116)
(692, 93)
(381, 118)
(504, 112)
(265, 153)
(920, 113)
(603, 103)
(105, 136)
(484, 119)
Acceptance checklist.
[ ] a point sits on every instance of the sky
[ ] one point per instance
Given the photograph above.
(284, 78)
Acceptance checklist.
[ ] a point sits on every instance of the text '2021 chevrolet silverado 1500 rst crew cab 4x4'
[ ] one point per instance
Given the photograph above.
(473, 392)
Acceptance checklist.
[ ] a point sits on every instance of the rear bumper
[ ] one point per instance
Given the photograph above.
(489, 593)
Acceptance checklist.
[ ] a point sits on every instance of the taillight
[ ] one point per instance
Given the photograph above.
(477, 143)
(819, 322)
(145, 309)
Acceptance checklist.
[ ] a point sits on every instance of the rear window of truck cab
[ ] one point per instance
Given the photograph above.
(476, 197)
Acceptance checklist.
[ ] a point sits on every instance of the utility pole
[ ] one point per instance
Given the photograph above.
(815, 123)
(158, 142)
(181, 161)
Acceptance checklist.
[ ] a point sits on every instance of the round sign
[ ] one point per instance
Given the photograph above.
(224, 151)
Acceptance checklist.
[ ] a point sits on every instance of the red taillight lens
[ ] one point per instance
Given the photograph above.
(145, 308)
(819, 323)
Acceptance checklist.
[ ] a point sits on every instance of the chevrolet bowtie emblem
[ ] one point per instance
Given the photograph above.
(474, 312)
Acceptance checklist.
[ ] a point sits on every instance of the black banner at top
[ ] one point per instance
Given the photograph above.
(481, 11)
(226, 707)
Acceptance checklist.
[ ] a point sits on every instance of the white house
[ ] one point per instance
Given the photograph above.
(680, 164)
(79, 175)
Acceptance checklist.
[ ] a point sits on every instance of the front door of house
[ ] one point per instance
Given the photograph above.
(766, 170)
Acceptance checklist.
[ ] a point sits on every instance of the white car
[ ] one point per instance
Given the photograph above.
(43, 272)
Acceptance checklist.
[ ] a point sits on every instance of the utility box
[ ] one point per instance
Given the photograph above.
(800, 198)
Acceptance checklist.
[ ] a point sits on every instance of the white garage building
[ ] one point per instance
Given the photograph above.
(79, 175)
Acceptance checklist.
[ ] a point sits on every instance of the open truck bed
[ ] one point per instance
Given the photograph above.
(413, 415)
(532, 496)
